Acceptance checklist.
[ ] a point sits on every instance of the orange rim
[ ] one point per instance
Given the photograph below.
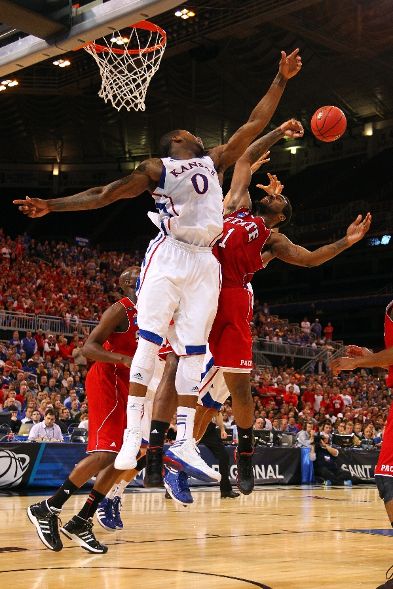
(143, 24)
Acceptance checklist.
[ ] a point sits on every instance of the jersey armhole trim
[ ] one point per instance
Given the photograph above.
(121, 301)
(161, 182)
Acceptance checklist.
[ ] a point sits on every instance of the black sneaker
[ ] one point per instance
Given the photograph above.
(389, 580)
(81, 530)
(229, 494)
(154, 466)
(387, 585)
(245, 475)
(46, 521)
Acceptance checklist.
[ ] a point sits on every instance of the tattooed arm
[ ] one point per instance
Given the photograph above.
(145, 177)
(283, 249)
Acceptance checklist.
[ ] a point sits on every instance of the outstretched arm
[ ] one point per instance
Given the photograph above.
(145, 177)
(226, 155)
(241, 179)
(282, 248)
(111, 320)
(379, 360)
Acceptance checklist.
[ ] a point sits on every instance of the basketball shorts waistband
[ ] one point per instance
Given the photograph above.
(189, 247)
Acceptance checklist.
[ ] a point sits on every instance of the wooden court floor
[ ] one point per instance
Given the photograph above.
(278, 538)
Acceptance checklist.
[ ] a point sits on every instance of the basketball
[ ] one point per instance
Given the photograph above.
(328, 123)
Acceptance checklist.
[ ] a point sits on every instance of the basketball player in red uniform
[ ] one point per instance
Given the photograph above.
(247, 245)
(364, 358)
(112, 345)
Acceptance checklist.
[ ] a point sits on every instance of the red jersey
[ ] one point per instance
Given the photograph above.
(107, 388)
(385, 461)
(124, 342)
(239, 249)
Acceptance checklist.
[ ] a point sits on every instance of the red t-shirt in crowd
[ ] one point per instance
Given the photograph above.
(291, 398)
(308, 397)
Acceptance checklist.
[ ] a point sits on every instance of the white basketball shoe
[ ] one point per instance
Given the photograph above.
(184, 455)
(126, 458)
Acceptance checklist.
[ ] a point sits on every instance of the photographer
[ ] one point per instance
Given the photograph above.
(325, 465)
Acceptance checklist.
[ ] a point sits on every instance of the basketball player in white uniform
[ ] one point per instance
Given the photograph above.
(180, 276)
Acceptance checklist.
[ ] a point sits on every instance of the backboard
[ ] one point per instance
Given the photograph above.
(35, 30)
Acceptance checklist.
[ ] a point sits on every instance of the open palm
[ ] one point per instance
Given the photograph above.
(358, 229)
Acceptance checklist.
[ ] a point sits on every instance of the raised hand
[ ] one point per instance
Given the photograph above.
(274, 186)
(292, 129)
(290, 65)
(264, 159)
(356, 351)
(358, 229)
(32, 207)
(344, 363)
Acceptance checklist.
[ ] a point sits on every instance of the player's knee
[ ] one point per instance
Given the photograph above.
(143, 363)
(188, 375)
(385, 488)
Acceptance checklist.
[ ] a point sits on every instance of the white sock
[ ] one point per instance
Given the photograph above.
(121, 488)
(134, 411)
(185, 423)
(112, 492)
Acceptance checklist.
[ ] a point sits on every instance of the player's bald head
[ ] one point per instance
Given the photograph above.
(129, 277)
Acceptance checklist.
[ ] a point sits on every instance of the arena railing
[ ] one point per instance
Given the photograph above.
(10, 320)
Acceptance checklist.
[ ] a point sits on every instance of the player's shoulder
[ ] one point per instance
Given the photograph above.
(126, 303)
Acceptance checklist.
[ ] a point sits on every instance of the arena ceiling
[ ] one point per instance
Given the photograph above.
(215, 68)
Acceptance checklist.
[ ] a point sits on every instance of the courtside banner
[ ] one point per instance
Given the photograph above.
(17, 462)
(272, 466)
(45, 466)
(359, 465)
(37, 465)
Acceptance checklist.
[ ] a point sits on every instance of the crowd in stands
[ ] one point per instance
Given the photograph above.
(271, 328)
(55, 278)
(43, 376)
(41, 372)
(78, 282)
(288, 401)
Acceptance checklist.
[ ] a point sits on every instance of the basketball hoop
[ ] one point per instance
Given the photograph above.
(127, 63)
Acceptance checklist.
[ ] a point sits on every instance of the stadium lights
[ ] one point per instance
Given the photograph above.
(4, 84)
(120, 40)
(185, 13)
(62, 62)
(368, 130)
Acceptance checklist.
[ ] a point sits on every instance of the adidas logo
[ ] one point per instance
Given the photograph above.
(195, 389)
(113, 445)
(154, 431)
(66, 491)
(245, 437)
(137, 375)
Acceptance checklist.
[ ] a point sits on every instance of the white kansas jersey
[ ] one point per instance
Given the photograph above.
(189, 201)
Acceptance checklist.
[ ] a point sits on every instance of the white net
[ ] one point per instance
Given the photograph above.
(127, 63)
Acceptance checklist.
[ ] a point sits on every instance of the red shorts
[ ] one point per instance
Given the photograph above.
(107, 394)
(230, 339)
(385, 461)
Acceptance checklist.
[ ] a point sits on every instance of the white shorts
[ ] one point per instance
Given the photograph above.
(149, 399)
(213, 391)
(181, 282)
